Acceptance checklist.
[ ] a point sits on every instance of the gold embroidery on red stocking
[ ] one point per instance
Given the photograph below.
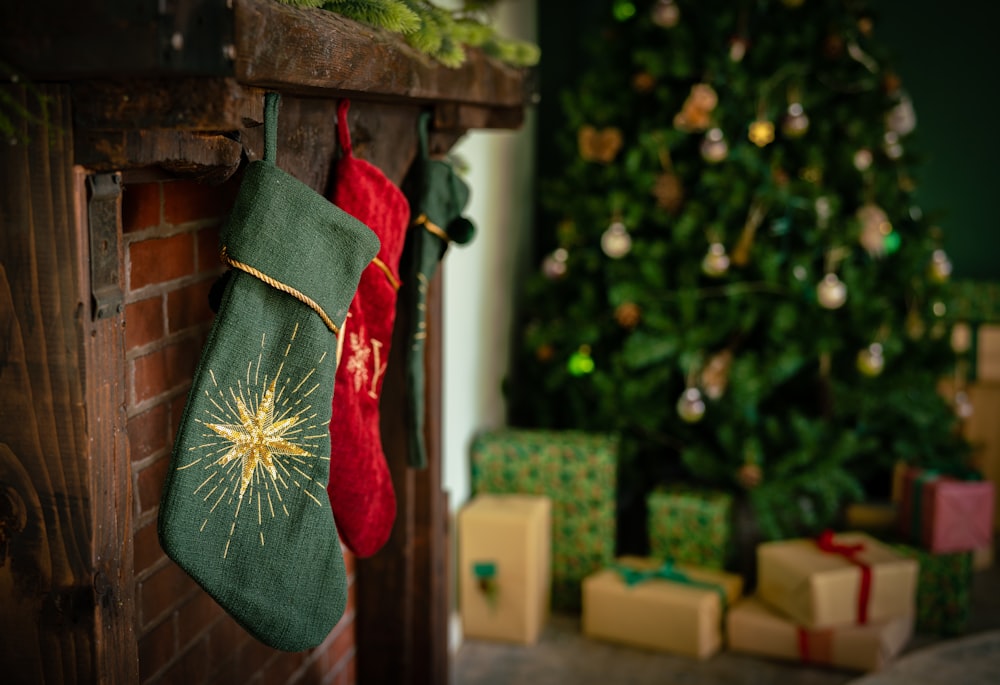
(261, 442)
(364, 351)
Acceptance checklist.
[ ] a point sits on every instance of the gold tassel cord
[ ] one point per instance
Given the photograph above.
(298, 295)
(431, 227)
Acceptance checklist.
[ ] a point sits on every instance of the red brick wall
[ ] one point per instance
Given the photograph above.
(171, 241)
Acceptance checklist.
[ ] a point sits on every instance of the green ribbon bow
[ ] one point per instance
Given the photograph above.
(668, 572)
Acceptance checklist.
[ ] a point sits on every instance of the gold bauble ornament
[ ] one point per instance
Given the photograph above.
(761, 133)
(714, 147)
(940, 267)
(690, 406)
(961, 338)
(628, 314)
(795, 123)
(615, 241)
(870, 361)
(792, 3)
(875, 228)
(716, 261)
(914, 325)
(831, 292)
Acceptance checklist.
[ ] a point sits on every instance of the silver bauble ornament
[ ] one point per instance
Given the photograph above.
(893, 149)
(665, 13)
(714, 147)
(940, 267)
(554, 265)
(795, 123)
(863, 159)
(690, 406)
(831, 292)
(901, 119)
(963, 405)
(615, 241)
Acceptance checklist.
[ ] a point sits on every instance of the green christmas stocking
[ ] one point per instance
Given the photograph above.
(437, 197)
(244, 509)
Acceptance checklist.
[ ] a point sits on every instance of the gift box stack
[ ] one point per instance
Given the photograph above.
(843, 600)
(577, 472)
(946, 523)
(690, 526)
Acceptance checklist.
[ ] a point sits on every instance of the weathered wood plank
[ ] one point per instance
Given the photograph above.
(47, 382)
(180, 103)
(207, 157)
(116, 657)
(314, 51)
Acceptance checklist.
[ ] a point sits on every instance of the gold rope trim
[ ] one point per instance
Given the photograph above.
(387, 271)
(431, 227)
(301, 297)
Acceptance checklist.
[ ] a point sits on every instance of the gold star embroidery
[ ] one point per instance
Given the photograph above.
(257, 438)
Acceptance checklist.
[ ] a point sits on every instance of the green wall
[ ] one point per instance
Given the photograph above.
(948, 56)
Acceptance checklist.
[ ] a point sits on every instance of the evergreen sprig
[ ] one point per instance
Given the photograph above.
(440, 33)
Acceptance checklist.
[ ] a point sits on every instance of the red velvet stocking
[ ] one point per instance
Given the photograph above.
(360, 486)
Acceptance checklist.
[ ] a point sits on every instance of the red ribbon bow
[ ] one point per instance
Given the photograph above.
(825, 543)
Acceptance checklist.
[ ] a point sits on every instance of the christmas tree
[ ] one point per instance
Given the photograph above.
(733, 271)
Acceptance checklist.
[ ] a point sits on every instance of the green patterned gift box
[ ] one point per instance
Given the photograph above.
(944, 590)
(578, 472)
(690, 526)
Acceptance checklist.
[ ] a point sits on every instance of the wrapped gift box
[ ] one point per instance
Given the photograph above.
(820, 589)
(755, 628)
(504, 566)
(982, 558)
(944, 590)
(690, 526)
(879, 518)
(578, 472)
(945, 514)
(682, 616)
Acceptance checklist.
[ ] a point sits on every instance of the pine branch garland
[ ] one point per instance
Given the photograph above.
(442, 34)
(391, 15)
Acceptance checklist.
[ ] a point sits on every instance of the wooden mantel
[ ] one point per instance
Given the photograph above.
(158, 89)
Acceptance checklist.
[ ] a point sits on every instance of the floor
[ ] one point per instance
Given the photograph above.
(563, 655)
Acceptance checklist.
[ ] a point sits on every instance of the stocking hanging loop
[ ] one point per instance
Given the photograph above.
(271, 103)
(343, 130)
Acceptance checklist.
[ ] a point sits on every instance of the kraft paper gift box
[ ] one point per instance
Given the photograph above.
(945, 514)
(754, 628)
(880, 518)
(504, 566)
(681, 616)
(857, 580)
(577, 470)
(690, 526)
(944, 590)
